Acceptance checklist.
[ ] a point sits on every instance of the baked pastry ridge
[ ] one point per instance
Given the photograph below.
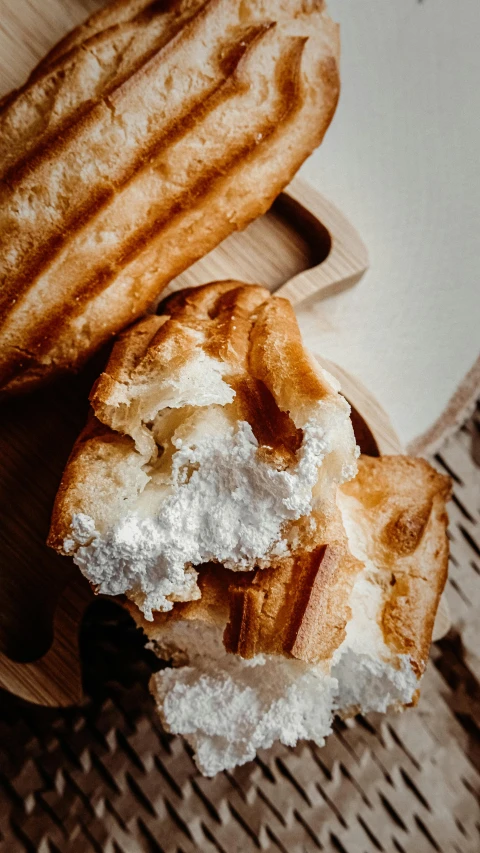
(214, 436)
(137, 146)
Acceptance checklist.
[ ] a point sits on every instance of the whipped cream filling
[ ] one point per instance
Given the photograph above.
(209, 498)
(227, 707)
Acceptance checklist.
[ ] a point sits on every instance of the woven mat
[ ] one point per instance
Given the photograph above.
(105, 776)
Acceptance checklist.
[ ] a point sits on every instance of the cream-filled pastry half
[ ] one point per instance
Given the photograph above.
(214, 437)
(275, 654)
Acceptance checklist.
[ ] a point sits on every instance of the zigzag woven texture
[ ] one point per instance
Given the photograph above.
(105, 777)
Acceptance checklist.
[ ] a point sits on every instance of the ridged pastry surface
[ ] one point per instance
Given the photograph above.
(144, 139)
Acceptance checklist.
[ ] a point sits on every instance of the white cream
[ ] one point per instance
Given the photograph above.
(227, 708)
(212, 500)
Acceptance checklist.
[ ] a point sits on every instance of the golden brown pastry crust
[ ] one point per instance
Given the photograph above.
(116, 178)
(298, 608)
(254, 334)
(102, 476)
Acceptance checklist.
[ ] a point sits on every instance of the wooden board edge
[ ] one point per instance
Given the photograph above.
(347, 260)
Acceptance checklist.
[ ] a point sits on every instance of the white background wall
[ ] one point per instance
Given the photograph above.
(402, 160)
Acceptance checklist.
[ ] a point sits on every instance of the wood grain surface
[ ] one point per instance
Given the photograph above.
(29, 28)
